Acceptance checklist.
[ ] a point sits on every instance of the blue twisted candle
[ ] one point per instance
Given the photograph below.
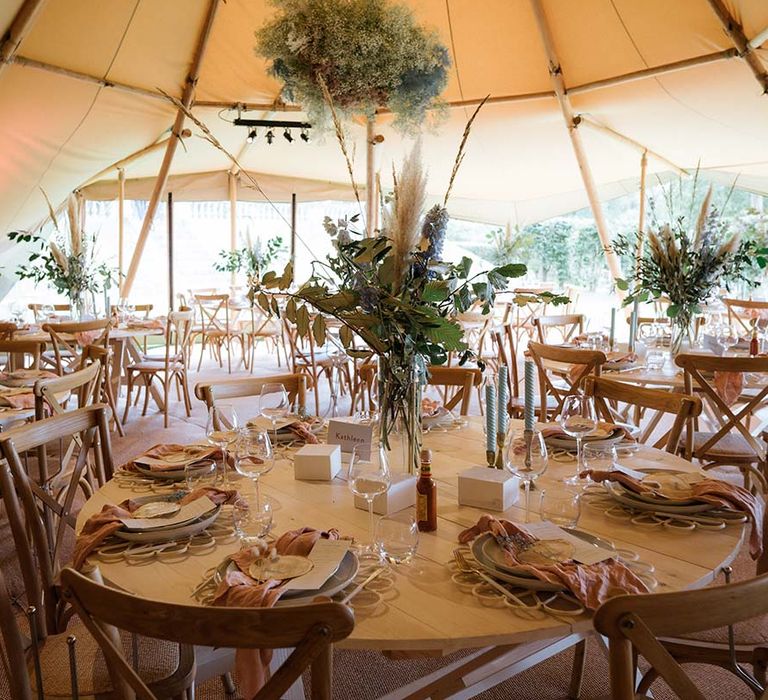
(613, 328)
(503, 419)
(529, 400)
(633, 326)
(490, 417)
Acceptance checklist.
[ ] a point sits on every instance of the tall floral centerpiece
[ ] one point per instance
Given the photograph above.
(688, 266)
(255, 259)
(66, 261)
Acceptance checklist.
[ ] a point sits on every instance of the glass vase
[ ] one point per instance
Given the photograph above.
(400, 384)
(682, 334)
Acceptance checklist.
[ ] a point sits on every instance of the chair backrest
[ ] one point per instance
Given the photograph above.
(504, 342)
(309, 629)
(701, 372)
(38, 520)
(211, 392)
(70, 339)
(608, 392)
(570, 366)
(22, 354)
(178, 332)
(463, 378)
(742, 311)
(144, 309)
(36, 309)
(214, 312)
(569, 326)
(13, 651)
(634, 622)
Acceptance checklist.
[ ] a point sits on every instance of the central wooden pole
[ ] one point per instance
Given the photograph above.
(162, 176)
(120, 228)
(293, 234)
(232, 187)
(370, 175)
(170, 252)
(556, 75)
(641, 222)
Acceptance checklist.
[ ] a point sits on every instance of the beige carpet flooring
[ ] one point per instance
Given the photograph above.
(360, 675)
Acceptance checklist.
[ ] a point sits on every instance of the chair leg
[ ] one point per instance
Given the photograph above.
(113, 406)
(166, 397)
(129, 390)
(147, 384)
(577, 673)
(322, 674)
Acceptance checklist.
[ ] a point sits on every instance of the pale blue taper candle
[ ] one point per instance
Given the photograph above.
(490, 417)
(613, 328)
(529, 401)
(503, 419)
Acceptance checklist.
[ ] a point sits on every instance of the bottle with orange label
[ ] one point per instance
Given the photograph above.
(754, 343)
(426, 495)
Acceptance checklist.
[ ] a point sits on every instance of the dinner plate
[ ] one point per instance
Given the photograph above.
(165, 474)
(666, 478)
(163, 533)
(568, 443)
(340, 579)
(628, 498)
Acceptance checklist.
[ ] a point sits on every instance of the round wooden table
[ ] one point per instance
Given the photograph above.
(425, 613)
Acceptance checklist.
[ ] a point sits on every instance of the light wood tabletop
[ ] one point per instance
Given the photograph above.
(425, 610)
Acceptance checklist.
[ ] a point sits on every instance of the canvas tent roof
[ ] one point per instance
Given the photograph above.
(58, 129)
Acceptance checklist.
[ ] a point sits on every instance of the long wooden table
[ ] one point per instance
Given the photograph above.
(426, 613)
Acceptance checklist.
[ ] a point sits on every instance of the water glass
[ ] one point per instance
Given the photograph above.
(655, 359)
(600, 456)
(561, 507)
(252, 518)
(199, 474)
(254, 455)
(369, 476)
(397, 536)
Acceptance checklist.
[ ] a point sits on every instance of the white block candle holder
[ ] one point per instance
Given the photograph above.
(401, 494)
(489, 489)
(317, 462)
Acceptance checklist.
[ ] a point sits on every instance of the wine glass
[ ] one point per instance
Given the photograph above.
(48, 312)
(254, 455)
(727, 337)
(525, 456)
(397, 536)
(578, 419)
(274, 403)
(252, 519)
(369, 476)
(222, 431)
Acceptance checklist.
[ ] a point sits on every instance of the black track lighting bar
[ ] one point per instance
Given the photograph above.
(269, 123)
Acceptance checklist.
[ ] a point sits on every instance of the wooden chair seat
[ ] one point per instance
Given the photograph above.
(158, 660)
(730, 447)
(158, 365)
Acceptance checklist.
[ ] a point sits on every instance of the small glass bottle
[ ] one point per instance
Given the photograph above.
(754, 343)
(426, 495)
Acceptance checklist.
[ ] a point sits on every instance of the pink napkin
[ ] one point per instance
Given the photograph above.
(150, 323)
(302, 431)
(103, 524)
(27, 374)
(549, 431)
(87, 337)
(20, 401)
(729, 386)
(164, 450)
(239, 590)
(591, 584)
(719, 493)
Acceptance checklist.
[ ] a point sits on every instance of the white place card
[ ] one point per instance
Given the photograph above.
(190, 511)
(584, 552)
(631, 472)
(326, 557)
(350, 435)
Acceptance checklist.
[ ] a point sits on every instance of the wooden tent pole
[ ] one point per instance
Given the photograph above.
(22, 22)
(232, 188)
(593, 124)
(170, 253)
(293, 233)
(120, 227)
(162, 176)
(558, 83)
(641, 221)
(734, 30)
(370, 175)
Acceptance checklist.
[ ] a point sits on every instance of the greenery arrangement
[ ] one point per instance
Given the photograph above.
(368, 54)
(253, 259)
(66, 262)
(688, 266)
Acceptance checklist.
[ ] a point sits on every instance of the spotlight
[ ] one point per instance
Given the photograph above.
(251, 136)
(270, 137)
(287, 136)
(304, 135)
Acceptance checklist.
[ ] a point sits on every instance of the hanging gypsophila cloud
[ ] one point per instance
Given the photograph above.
(370, 54)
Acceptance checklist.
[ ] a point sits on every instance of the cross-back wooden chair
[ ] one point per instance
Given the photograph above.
(14, 647)
(521, 316)
(70, 339)
(250, 387)
(64, 659)
(608, 393)
(742, 311)
(172, 367)
(462, 379)
(310, 629)
(362, 393)
(21, 354)
(7, 330)
(216, 328)
(731, 442)
(37, 310)
(562, 372)
(568, 326)
(633, 624)
(51, 498)
(262, 329)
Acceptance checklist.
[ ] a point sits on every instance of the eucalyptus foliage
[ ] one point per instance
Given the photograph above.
(254, 259)
(369, 54)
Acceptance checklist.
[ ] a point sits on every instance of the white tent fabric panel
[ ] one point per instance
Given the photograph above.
(56, 132)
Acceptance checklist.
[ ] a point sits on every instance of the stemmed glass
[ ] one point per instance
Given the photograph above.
(222, 431)
(727, 338)
(48, 312)
(527, 465)
(254, 456)
(578, 419)
(369, 476)
(274, 403)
